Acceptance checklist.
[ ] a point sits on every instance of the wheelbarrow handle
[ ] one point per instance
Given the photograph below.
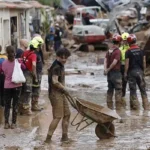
(71, 100)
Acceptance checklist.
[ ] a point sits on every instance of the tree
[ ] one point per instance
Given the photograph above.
(46, 23)
(54, 3)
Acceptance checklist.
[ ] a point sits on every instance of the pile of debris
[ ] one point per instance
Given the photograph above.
(127, 18)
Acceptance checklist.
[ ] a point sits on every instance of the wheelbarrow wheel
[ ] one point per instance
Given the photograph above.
(105, 131)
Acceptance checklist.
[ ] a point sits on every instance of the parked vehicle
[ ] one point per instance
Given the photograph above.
(94, 32)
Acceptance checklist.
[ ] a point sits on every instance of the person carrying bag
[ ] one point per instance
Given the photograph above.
(12, 86)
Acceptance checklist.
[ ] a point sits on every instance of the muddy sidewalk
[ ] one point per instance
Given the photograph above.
(86, 80)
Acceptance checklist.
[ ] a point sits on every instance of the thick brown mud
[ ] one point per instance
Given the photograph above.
(86, 80)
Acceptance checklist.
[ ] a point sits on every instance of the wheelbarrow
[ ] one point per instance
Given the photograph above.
(91, 113)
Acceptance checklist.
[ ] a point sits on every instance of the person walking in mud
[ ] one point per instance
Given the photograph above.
(36, 85)
(29, 58)
(11, 90)
(57, 91)
(123, 48)
(112, 66)
(135, 65)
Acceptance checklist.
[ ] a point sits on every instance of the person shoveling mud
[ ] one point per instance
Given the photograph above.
(57, 92)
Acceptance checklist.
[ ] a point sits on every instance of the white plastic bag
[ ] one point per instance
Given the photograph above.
(18, 76)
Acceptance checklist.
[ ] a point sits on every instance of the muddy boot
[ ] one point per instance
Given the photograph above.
(7, 126)
(145, 103)
(48, 139)
(110, 101)
(26, 110)
(35, 106)
(13, 126)
(118, 100)
(65, 138)
(134, 103)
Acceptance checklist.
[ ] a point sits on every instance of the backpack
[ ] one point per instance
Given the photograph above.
(24, 60)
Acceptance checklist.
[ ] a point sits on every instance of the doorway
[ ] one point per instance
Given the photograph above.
(14, 33)
(6, 33)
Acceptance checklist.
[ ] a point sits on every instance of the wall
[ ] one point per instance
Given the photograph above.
(28, 36)
(4, 28)
(16, 13)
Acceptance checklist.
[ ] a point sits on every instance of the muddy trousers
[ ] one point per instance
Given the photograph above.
(36, 89)
(9, 96)
(114, 84)
(25, 99)
(136, 77)
(60, 110)
(124, 81)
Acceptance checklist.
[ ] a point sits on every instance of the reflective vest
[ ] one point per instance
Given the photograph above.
(123, 50)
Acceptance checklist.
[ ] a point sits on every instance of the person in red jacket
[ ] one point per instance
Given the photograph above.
(112, 64)
(29, 58)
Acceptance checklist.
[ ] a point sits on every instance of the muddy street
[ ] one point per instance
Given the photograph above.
(85, 80)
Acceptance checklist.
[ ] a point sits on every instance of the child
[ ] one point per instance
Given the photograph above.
(11, 90)
(60, 107)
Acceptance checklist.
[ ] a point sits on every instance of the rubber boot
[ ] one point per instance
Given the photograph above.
(110, 101)
(118, 100)
(13, 125)
(7, 126)
(145, 103)
(35, 106)
(134, 103)
(48, 139)
(65, 137)
(26, 110)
